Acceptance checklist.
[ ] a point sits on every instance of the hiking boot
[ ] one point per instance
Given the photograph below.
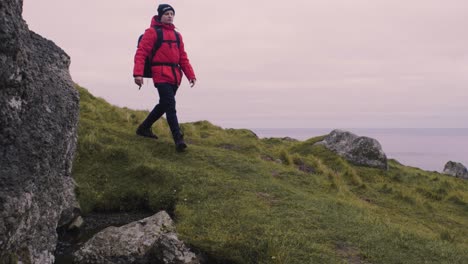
(145, 132)
(180, 144)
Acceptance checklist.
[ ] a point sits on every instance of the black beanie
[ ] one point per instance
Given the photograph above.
(163, 8)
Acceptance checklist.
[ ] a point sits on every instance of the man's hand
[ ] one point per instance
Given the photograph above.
(192, 82)
(139, 81)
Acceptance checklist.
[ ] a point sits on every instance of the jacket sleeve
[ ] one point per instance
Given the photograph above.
(184, 61)
(144, 49)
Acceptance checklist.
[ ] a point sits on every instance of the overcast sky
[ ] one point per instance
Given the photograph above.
(297, 63)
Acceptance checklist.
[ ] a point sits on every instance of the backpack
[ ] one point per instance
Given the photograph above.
(147, 73)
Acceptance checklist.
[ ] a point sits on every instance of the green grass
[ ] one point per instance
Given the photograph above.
(241, 199)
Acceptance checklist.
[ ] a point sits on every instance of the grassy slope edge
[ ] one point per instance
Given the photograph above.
(241, 199)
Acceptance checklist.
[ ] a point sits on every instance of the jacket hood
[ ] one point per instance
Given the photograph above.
(155, 22)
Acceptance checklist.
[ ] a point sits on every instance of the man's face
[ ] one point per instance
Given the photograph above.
(168, 17)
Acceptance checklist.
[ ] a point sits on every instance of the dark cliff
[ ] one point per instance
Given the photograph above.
(38, 122)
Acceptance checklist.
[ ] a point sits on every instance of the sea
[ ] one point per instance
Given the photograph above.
(425, 148)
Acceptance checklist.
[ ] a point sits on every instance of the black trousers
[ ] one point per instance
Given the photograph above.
(167, 105)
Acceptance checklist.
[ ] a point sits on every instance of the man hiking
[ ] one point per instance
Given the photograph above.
(167, 64)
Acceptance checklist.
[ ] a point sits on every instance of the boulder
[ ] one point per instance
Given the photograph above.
(456, 169)
(362, 151)
(38, 125)
(150, 240)
(169, 249)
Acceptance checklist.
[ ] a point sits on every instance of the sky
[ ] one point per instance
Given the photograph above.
(280, 64)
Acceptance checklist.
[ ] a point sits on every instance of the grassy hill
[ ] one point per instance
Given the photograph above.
(241, 199)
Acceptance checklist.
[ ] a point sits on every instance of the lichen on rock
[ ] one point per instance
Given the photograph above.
(456, 169)
(362, 151)
(149, 240)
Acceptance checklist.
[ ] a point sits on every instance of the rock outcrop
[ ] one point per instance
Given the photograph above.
(362, 151)
(38, 125)
(150, 240)
(456, 169)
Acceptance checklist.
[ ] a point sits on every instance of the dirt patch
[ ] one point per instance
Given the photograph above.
(267, 198)
(366, 199)
(302, 166)
(275, 174)
(228, 146)
(305, 168)
(350, 254)
(268, 158)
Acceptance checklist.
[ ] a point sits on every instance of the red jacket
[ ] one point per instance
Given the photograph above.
(167, 53)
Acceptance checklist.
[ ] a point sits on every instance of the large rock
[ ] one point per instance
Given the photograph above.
(456, 169)
(150, 240)
(362, 151)
(38, 123)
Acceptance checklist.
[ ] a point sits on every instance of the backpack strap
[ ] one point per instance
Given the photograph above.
(159, 41)
(177, 36)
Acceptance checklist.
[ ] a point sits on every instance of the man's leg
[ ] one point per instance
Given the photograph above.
(168, 105)
(167, 101)
(153, 116)
(145, 128)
